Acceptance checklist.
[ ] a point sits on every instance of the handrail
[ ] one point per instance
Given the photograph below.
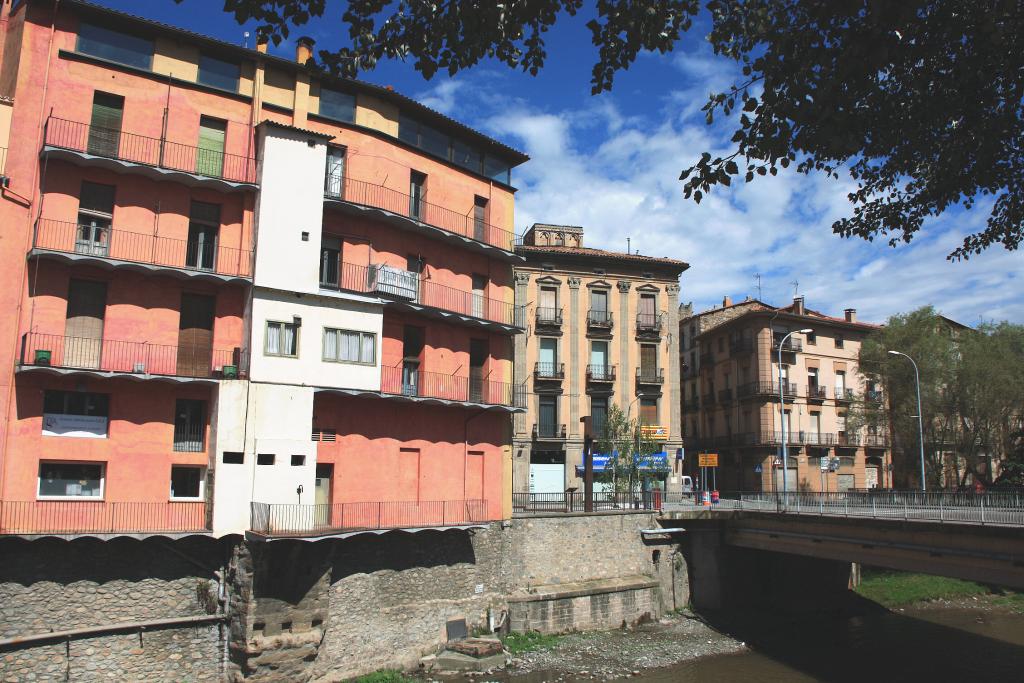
(549, 370)
(114, 143)
(601, 373)
(405, 381)
(100, 517)
(418, 209)
(296, 520)
(548, 316)
(650, 375)
(121, 245)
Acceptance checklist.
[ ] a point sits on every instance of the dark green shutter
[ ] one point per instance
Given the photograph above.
(210, 155)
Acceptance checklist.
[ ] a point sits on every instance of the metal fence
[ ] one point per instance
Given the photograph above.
(418, 209)
(989, 508)
(117, 144)
(403, 381)
(91, 240)
(574, 501)
(140, 358)
(272, 519)
(100, 517)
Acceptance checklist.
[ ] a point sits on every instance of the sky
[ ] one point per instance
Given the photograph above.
(610, 163)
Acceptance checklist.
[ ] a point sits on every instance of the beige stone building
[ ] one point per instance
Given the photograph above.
(601, 331)
(731, 403)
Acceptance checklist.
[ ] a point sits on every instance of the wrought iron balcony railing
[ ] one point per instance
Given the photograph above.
(766, 389)
(600, 373)
(282, 519)
(418, 209)
(650, 375)
(600, 319)
(101, 517)
(816, 392)
(792, 344)
(404, 381)
(140, 149)
(135, 247)
(129, 357)
(648, 322)
(843, 394)
(548, 317)
(549, 371)
(548, 431)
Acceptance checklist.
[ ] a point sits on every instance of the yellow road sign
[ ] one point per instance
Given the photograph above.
(707, 460)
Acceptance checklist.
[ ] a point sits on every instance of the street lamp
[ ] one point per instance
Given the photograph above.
(782, 409)
(920, 423)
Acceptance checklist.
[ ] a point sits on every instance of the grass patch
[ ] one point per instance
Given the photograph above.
(517, 643)
(898, 589)
(384, 676)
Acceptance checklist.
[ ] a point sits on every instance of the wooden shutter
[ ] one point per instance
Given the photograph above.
(195, 335)
(105, 128)
(87, 303)
(210, 155)
(648, 359)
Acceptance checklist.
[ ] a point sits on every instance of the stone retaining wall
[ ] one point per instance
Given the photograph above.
(587, 606)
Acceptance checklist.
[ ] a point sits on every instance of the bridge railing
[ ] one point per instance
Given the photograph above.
(989, 508)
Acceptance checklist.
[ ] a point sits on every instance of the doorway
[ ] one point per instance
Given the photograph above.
(83, 340)
(195, 335)
(478, 352)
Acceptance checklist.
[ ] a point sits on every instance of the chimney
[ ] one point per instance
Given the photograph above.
(851, 315)
(261, 43)
(304, 49)
(798, 305)
(726, 302)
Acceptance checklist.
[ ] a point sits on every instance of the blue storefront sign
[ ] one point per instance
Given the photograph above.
(655, 462)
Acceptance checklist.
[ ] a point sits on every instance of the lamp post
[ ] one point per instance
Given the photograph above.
(920, 420)
(782, 411)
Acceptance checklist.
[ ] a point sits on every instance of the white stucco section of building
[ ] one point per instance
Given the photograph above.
(289, 208)
(314, 314)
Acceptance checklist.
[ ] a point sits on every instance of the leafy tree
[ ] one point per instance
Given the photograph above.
(625, 437)
(920, 101)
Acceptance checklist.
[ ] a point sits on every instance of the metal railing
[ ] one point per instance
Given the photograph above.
(600, 373)
(816, 393)
(129, 357)
(189, 438)
(158, 152)
(548, 316)
(100, 517)
(401, 381)
(989, 508)
(573, 501)
(650, 375)
(548, 431)
(648, 322)
(549, 370)
(766, 388)
(789, 345)
(381, 279)
(600, 318)
(120, 245)
(843, 394)
(418, 209)
(282, 519)
(875, 440)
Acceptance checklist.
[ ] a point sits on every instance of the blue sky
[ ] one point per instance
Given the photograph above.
(611, 164)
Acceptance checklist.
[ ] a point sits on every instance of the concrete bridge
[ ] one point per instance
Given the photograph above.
(804, 542)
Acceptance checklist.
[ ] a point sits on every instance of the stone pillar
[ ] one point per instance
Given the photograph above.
(575, 430)
(674, 388)
(520, 372)
(626, 326)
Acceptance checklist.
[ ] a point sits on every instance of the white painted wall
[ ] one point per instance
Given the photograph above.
(290, 202)
(232, 484)
(317, 312)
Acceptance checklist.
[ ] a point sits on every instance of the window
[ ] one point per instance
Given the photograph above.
(105, 124)
(451, 149)
(203, 232)
(350, 346)
(189, 425)
(649, 411)
(548, 415)
(330, 262)
(95, 213)
(649, 360)
(186, 482)
(265, 458)
(479, 218)
(334, 179)
(467, 156)
(282, 339)
(497, 169)
(75, 413)
(812, 339)
(547, 359)
(219, 73)
(298, 460)
(71, 479)
(340, 106)
(417, 191)
(233, 458)
(210, 154)
(119, 47)
(839, 341)
(598, 414)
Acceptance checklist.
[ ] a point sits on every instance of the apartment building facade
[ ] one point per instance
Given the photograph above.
(601, 332)
(244, 296)
(734, 402)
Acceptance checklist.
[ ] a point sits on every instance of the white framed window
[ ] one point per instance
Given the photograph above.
(75, 413)
(282, 339)
(350, 346)
(71, 480)
(187, 482)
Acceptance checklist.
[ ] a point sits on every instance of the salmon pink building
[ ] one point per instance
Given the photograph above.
(242, 296)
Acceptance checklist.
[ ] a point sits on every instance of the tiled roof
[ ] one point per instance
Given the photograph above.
(588, 252)
(286, 126)
(810, 313)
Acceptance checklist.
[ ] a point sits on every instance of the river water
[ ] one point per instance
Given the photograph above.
(930, 644)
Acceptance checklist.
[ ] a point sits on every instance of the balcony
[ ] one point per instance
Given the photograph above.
(111, 357)
(549, 371)
(873, 396)
(875, 441)
(601, 373)
(816, 392)
(416, 213)
(157, 158)
(649, 323)
(791, 345)
(87, 517)
(110, 247)
(844, 395)
(411, 383)
(765, 390)
(283, 520)
(549, 432)
(725, 396)
(407, 290)
(844, 440)
(739, 347)
(599, 320)
(650, 375)
(548, 317)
